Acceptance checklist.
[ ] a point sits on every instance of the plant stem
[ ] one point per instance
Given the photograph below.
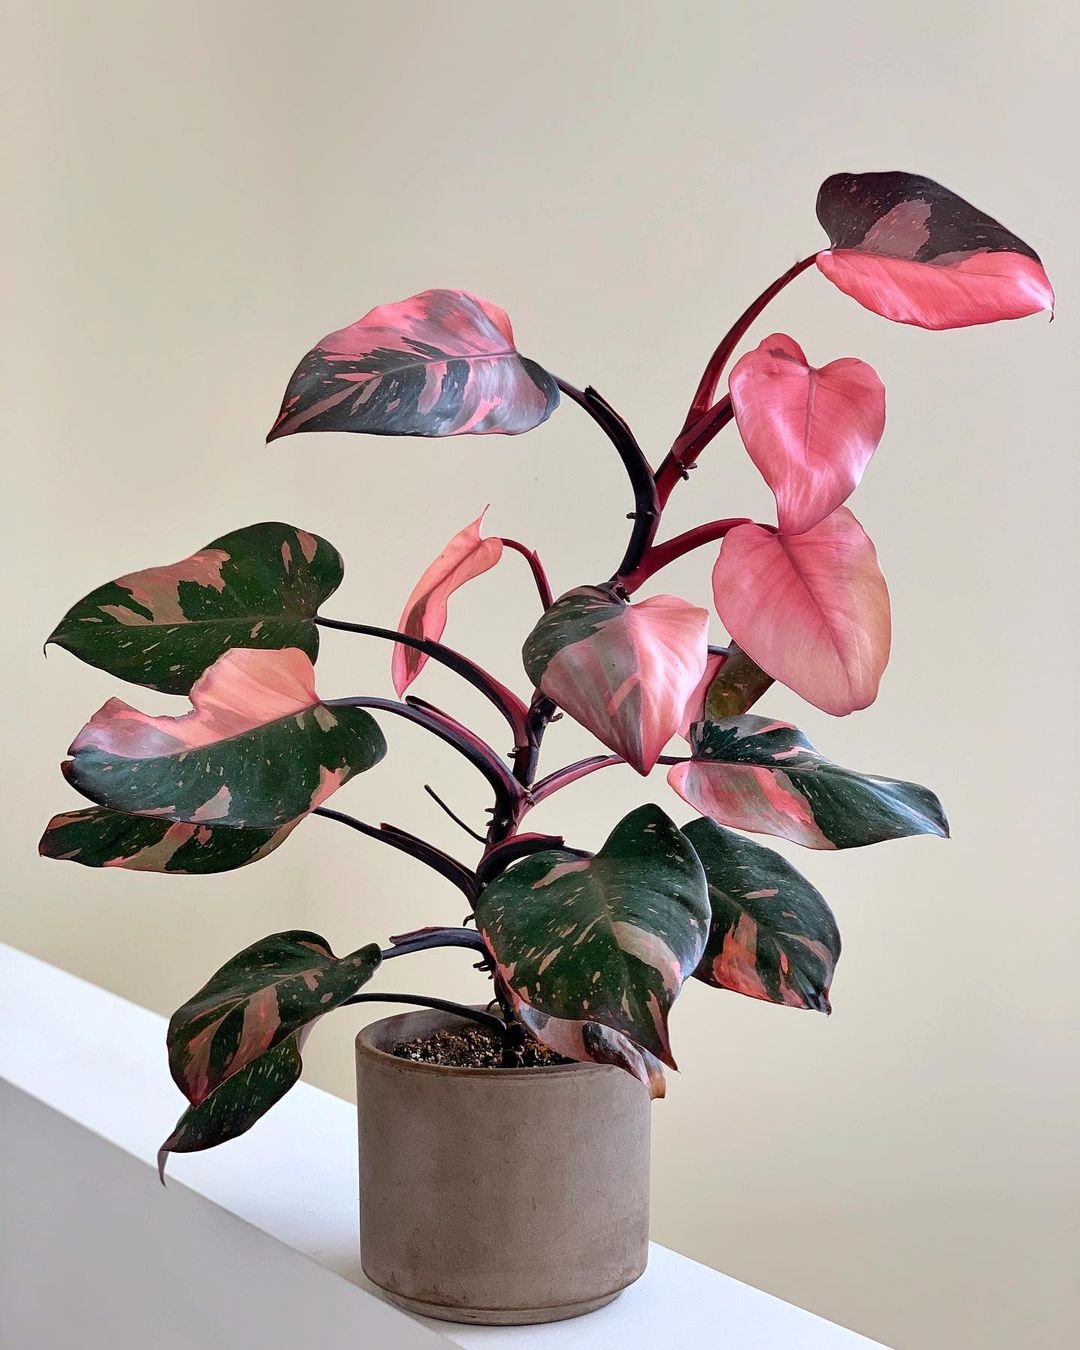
(543, 585)
(441, 1004)
(420, 849)
(661, 554)
(572, 772)
(646, 512)
(704, 418)
(453, 815)
(507, 702)
(403, 944)
(508, 791)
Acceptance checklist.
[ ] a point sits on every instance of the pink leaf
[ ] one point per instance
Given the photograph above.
(911, 250)
(624, 671)
(810, 431)
(424, 616)
(695, 704)
(811, 609)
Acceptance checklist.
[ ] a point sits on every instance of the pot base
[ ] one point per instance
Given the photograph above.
(501, 1317)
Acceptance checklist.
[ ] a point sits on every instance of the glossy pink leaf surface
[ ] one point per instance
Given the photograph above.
(695, 705)
(467, 555)
(811, 432)
(438, 364)
(811, 609)
(911, 250)
(624, 671)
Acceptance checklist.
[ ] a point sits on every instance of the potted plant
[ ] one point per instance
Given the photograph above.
(504, 1147)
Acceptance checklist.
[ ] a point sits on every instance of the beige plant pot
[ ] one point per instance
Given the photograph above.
(498, 1195)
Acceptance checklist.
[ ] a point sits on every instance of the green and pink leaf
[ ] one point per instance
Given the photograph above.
(608, 939)
(772, 935)
(438, 364)
(258, 750)
(99, 837)
(765, 776)
(258, 587)
(626, 672)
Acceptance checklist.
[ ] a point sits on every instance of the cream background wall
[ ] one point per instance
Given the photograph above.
(196, 193)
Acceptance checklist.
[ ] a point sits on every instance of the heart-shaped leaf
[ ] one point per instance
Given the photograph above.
(438, 364)
(624, 671)
(424, 616)
(812, 610)
(608, 939)
(98, 837)
(810, 432)
(259, 750)
(261, 997)
(766, 777)
(256, 587)
(911, 250)
(239, 1103)
(772, 935)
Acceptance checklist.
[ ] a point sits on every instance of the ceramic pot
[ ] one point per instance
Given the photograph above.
(498, 1195)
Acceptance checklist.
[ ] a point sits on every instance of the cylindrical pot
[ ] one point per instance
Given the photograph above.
(498, 1195)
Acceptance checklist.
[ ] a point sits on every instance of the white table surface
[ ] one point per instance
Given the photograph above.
(252, 1244)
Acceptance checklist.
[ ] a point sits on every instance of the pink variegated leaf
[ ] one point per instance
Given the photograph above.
(607, 939)
(812, 609)
(98, 837)
(592, 1043)
(695, 704)
(234, 1047)
(911, 250)
(258, 750)
(626, 672)
(754, 774)
(811, 432)
(467, 555)
(438, 364)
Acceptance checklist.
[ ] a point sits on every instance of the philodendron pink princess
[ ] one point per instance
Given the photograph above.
(586, 950)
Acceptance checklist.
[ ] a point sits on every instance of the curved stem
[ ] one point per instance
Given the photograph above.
(710, 379)
(646, 512)
(572, 772)
(688, 445)
(453, 815)
(661, 554)
(540, 576)
(420, 849)
(507, 702)
(485, 1019)
(424, 938)
(508, 791)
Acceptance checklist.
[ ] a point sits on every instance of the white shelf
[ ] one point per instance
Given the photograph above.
(253, 1244)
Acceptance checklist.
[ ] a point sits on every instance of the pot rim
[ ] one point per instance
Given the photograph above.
(535, 1074)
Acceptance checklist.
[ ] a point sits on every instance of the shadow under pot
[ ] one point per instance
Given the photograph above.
(500, 1196)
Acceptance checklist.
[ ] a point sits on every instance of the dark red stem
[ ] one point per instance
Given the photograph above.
(661, 554)
(572, 772)
(507, 702)
(485, 1019)
(543, 585)
(420, 849)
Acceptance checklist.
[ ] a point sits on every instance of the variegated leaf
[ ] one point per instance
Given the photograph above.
(258, 750)
(908, 248)
(772, 935)
(261, 997)
(608, 939)
(766, 777)
(438, 364)
(467, 555)
(98, 837)
(593, 1043)
(258, 587)
(239, 1103)
(626, 672)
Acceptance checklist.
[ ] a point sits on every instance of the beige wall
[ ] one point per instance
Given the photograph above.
(196, 192)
